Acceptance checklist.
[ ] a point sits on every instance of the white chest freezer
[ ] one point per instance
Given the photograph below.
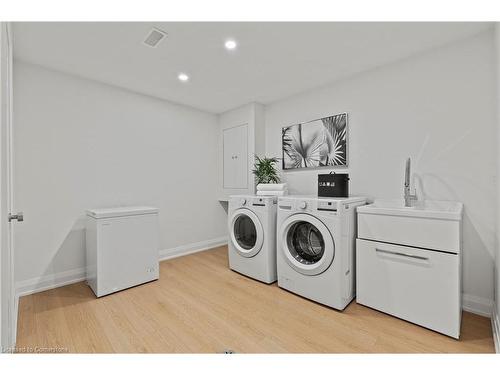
(122, 248)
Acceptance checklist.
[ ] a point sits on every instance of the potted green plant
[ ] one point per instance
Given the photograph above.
(266, 176)
(265, 171)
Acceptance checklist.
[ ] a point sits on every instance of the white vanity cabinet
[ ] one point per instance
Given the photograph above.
(241, 137)
(417, 284)
(421, 286)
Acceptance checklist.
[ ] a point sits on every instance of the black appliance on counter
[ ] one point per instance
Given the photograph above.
(333, 185)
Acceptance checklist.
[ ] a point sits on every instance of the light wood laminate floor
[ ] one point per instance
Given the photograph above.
(200, 306)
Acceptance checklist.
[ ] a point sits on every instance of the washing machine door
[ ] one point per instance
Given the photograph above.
(307, 244)
(246, 232)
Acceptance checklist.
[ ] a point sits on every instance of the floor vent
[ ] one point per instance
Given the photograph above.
(228, 351)
(154, 37)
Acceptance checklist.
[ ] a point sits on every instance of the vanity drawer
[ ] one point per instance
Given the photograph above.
(421, 286)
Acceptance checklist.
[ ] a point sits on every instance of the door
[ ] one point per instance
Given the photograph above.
(307, 244)
(235, 157)
(247, 234)
(7, 298)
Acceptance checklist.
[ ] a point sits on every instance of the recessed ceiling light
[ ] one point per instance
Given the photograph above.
(230, 44)
(183, 77)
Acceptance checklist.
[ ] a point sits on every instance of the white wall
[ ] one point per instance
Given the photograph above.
(81, 144)
(439, 109)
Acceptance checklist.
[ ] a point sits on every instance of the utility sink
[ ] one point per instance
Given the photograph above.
(433, 225)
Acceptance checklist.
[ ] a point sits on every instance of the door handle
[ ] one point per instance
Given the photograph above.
(19, 217)
(400, 254)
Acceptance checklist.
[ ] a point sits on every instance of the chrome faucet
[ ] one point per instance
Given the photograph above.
(409, 198)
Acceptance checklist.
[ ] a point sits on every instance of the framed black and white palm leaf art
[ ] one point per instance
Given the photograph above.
(318, 143)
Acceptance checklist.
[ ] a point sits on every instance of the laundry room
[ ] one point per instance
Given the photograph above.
(202, 187)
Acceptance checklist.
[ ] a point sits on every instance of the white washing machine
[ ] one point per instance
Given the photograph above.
(316, 247)
(252, 236)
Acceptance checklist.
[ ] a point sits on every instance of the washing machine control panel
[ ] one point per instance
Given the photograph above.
(327, 206)
(243, 201)
(310, 205)
(262, 202)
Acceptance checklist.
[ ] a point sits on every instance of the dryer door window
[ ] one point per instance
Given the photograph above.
(246, 232)
(306, 244)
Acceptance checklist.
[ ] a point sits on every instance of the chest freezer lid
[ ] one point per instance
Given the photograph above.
(100, 213)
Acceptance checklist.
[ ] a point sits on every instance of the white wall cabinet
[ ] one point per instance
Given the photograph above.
(235, 159)
(241, 138)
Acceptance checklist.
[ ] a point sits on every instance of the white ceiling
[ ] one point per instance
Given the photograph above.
(273, 60)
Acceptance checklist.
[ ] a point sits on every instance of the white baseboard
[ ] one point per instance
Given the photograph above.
(179, 251)
(495, 325)
(477, 305)
(40, 284)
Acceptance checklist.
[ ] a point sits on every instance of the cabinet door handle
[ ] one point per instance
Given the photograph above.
(400, 254)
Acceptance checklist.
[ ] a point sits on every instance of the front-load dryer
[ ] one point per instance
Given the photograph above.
(252, 236)
(315, 248)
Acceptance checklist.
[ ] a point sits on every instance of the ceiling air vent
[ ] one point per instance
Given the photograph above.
(154, 37)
